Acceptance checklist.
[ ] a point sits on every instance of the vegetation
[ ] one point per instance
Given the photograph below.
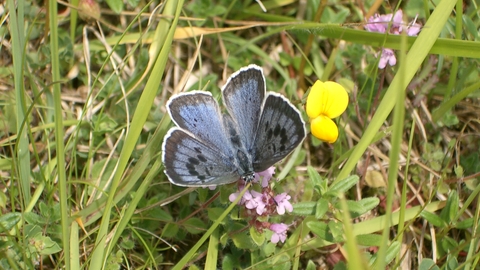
(83, 92)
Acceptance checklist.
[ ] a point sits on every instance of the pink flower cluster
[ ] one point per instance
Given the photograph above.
(265, 203)
(380, 24)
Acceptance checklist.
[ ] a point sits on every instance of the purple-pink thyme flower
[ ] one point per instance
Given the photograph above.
(279, 232)
(283, 203)
(388, 56)
(265, 202)
(266, 176)
(380, 24)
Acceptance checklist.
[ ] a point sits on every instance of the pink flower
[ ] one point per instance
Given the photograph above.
(375, 24)
(260, 200)
(413, 28)
(283, 203)
(387, 57)
(267, 175)
(279, 232)
(252, 201)
(234, 196)
(379, 23)
(397, 22)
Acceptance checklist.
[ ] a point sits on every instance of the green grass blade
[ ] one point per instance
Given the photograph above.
(450, 103)
(60, 147)
(395, 151)
(212, 251)
(22, 152)
(415, 57)
(161, 49)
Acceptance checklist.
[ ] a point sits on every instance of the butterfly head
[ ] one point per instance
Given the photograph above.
(248, 177)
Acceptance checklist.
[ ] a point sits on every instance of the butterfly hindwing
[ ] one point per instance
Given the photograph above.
(190, 162)
(281, 129)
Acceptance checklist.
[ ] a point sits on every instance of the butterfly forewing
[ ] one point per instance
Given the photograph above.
(198, 113)
(243, 96)
(191, 162)
(280, 130)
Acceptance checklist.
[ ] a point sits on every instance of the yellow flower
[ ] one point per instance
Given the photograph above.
(326, 100)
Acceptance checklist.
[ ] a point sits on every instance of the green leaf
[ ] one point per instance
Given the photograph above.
(369, 203)
(321, 208)
(257, 237)
(269, 248)
(304, 208)
(32, 230)
(214, 213)
(116, 5)
(160, 214)
(341, 266)
(319, 184)
(447, 245)
(311, 265)
(321, 230)
(449, 119)
(224, 239)
(391, 253)
(103, 124)
(451, 208)
(342, 185)
(470, 163)
(170, 230)
(358, 208)
(465, 224)
(433, 219)
(369, 240)
(45, 245)
(428, 264)
(243, 241)
(285, 59)
(458, 171)
(452, 262)
(195, 225)
(133, 3)
(228, 262)
(280, 262)
(336, 229)
(8, 221)
(127, 243)
(33, 219)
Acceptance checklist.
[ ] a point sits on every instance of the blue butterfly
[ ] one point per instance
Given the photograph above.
(208, 147)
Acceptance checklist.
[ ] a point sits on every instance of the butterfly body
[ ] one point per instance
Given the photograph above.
(209, 148)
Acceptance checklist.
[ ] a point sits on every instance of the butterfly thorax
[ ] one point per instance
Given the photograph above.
(243, 158)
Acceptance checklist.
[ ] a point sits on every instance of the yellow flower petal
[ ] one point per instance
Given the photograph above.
(326, 98)
(324, 128)
(313, 106)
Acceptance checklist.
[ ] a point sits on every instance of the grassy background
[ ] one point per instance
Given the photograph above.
(82, 100)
